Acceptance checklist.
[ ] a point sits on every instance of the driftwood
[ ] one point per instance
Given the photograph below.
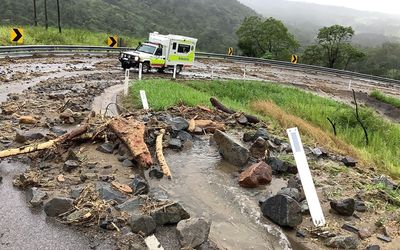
(160, 155)
(45, 145)
(218, 105)
(207, 125)
(131, 132)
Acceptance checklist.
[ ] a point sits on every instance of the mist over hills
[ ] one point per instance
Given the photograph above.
(305, 19)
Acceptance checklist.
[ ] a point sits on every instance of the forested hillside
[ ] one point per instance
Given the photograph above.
(214, 22)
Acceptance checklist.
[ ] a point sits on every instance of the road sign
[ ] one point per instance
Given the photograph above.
(305, 176)
(112, 41)
(295, 59)
(17, 35)
(230, 51)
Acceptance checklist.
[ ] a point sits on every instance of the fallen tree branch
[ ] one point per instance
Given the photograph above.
(359, 119)
(131, 132)
(160, 155)
(333, 125)
(45, 145)
(218, 105)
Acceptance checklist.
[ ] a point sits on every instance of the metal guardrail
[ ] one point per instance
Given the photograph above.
(29, 50)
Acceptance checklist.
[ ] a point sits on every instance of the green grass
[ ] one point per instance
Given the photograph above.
(383, 150)
(385, 98)
(41, 36)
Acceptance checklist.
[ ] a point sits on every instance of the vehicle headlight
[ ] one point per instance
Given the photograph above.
(136, 58)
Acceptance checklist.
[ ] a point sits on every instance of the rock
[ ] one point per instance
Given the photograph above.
(349, 162)
(132, 206)
(88, 176)
(350, 228)
(178, 123)
(280, 167)
(72, 155)
(385, 181)
(300, 234)
(248, 136)
(343, 242)
(106, 148)
(230, 149)
(360, 206)
(70, 165)
(319, 152)
(169, 214)
(291, 192)
(255, 175)
(373, 247)
(384, 238)
(67, 114)
(31, 135)
(282, 210)
(305, 209)
(156, 173)
(143, 224)
(57, 206)
(75, 192)
(364, 233)
(139, 185)
(259, 148)
(285, 147)
(123, 150)
(242, 119)
(36, 196)
(261, 132)
(345, 207)
(184, 136)
(58, 131)
(108, 193)
(174, 143)
(27, 120)
(127, 163)
(193, 232)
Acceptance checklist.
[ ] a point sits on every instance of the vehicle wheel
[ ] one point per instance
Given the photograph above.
(146, 67)
(125, 66)
(178, 69)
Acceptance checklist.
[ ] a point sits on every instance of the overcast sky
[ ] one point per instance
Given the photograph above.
(385, 6)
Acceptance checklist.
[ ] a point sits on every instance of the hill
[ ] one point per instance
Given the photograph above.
(305, 19)
(214, 22)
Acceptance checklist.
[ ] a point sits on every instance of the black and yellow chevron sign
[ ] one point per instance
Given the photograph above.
(17, 35)
(112, 41)
(295, 59)
(230, 51)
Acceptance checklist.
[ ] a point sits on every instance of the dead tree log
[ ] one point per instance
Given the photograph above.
(333, 125)
(45, 145)
(218, 105)
(160, 154)
(131, 132)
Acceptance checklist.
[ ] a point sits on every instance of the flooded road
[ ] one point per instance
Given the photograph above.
(207, 186)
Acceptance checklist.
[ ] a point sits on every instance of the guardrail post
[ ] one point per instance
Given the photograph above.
(174, 75)
(126, 83)
(140, 71)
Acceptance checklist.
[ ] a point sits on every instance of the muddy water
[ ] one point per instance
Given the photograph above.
(207, 186)
(106, 101)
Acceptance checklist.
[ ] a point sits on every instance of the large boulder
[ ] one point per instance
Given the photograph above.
(169, 214)
(282, 210)
(178, 123)
(291, 192)
(193, 232)
(281, 167)
(230, 149)
(142, 224)
(255, 175)
(57, 206)
(344, 207)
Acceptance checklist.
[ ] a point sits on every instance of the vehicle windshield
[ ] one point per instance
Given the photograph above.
(146, 49)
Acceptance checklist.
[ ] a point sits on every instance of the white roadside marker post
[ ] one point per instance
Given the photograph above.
(144, 100)
(244, 72)
(212, 73)
(140, 71)
(174, 75)
(306, 178)
(350, 85)
(126, 82)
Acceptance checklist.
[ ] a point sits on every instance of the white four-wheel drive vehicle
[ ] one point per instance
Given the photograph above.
(161, 52)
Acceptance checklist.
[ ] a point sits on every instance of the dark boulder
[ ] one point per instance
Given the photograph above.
(259, 148)
(344, 207)
(231, 150)
(139, 185)
(107, 148)
(169, 214)
(143, 224)
(343, 242)
(57, 206)
(282, 210)
(193, 232)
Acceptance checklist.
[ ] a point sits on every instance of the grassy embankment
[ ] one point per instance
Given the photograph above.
(289, 107)
(41, 36)
(385, 98)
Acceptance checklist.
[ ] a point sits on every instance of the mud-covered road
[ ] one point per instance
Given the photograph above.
(45, 87)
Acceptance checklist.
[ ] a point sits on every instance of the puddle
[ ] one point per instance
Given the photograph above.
(101, 102)
(207, 186)
(24, 228)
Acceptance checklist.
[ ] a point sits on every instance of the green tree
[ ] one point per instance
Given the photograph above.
(332, 40)
(351, 54)
(265, 38)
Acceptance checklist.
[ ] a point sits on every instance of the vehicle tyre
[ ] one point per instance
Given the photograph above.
(146, 67)
(125, 66)
(179, 69)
